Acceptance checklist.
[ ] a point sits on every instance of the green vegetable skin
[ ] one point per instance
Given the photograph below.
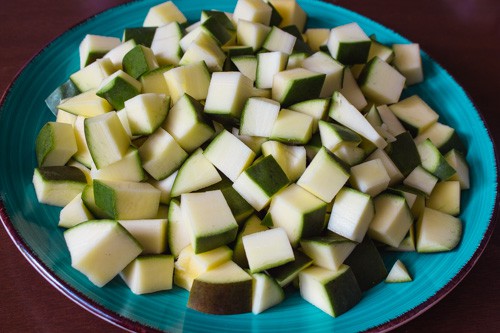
(258, 173)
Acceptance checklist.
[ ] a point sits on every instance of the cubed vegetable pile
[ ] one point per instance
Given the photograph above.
(246, 153)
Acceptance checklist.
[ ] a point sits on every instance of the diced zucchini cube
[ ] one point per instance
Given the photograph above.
(107, 140)
(74, 212)
(408, 62)
(237, 50)
(195, 173)
(161, 155)
(316, 108)
(458, 162)
(260, 182)
(251, 34)
(292, 159)
(140, 35)
(190, 36)
(298, 212)
(291, 13)
(88, 199)
(384, 52)
(202, 262)
(433, 161)
(139, 60)
(252, 10)
(334, 135)
(226, 289)
(398, 273)
(267, 249)
(100, 249)
(380, 82)
(146, 112)
(246, 65)
(119, 87)
(444, 137)
(259, 116)
(414, 114)
(367, 264)
(188, 124)
(65, 91)
(324, 176)
(116, 54)
(421, 179)
(214, 28)
(154, 81)
(296, 85)
(178, 232)
(229, 155)
(390, 120)
(55, 144)
(150, 233)
(437, 231)
(333, 292)
(204, 48)
(227, 93)
(209, 218)
(91, 76)
(128, 168)
(192, 79)
(279, 40)
(86, 104)
(342, 111)
(252, 225)
(240, 208)
(148, 274)
(351, 90)
(224, 18)
(266, 293)
(268, 65)
(445, 197)
(328, 251)
(392, 219)
(93, 47)
(126, 200)
(58, 185)
(352, 212)
(316, 37)
(404, 153)
(349, 44)
(323, 63)
(369, 177)
(165, 44)
(162, 14)
(292, 127)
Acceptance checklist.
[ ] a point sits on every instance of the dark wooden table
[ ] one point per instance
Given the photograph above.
(463, 36)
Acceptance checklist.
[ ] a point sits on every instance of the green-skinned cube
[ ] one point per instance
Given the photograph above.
(139, 60)
(141, 35)
(349, 44)
(118, 88)
(299, 212)
(260, 182)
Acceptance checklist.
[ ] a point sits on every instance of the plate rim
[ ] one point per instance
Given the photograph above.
(131, 325)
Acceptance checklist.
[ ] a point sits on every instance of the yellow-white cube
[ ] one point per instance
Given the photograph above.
(148, 274)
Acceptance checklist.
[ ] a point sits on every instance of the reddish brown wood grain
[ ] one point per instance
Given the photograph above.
(463, 36)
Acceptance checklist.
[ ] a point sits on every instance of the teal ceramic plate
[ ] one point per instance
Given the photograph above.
(33, 227)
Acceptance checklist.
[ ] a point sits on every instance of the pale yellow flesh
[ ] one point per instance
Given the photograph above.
(267, 249)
